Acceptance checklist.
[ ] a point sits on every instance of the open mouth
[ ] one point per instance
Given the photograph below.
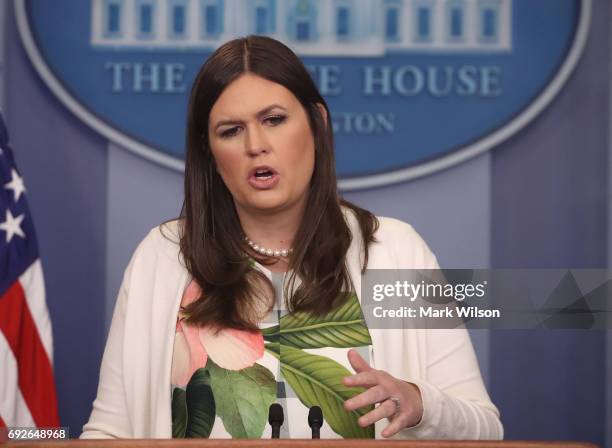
(263, 178)
(263, 174)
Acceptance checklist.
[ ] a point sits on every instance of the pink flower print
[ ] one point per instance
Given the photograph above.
(233, 349)
(191, 294)
(189, 354)
(229, 348)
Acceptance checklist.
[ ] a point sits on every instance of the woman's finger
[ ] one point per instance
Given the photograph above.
(403, 419)
(399, 422)
(373, 395)
(364, 379)
(386, 409)
(357, 362)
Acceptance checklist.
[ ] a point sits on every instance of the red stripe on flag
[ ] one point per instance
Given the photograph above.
(2, 424)
(35, 371)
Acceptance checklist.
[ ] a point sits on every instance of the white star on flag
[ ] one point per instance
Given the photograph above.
(12, 226)
(16, 184)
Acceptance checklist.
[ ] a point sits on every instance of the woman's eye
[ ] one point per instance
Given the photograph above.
(229, 132)
(275, 119)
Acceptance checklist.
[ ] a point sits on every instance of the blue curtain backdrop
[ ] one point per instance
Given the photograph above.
(549, 210)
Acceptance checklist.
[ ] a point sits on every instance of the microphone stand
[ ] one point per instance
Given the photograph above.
(315, 421)
(276, 418)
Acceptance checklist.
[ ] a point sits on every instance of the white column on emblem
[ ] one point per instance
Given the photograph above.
(470, 24)
(161, 23)
(327, 18)
(96, 22)
(406, 26)
(192, 18)
(128, 22)
(281, 14)
(438, 25)
(505, 24)
(239, 18)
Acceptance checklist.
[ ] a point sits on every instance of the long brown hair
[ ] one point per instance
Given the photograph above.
(211, 237)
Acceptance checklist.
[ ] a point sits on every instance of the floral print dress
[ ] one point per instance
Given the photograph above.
(224, 383)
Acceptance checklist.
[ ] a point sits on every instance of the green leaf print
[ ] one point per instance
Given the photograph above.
(244, 397)
(274, 348)
(179, 413)
(341, 328)
(200, 405)
(193, 409)
(317, 380)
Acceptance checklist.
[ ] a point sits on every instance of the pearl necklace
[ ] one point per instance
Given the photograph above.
(269, 252)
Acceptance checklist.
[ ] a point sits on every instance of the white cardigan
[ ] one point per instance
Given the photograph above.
(134, 392)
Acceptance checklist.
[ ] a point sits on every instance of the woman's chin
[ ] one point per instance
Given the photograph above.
(270, 204)
(270, 201)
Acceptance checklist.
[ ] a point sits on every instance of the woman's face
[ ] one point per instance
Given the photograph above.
(263, 146)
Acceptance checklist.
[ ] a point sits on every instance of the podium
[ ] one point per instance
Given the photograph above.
(295, 443)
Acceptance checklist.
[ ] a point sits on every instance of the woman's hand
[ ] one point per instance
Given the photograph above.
(399, 401)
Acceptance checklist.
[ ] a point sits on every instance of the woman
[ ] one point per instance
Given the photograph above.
(251, 297)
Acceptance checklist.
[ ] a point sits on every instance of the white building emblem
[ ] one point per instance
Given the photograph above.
(310, 27)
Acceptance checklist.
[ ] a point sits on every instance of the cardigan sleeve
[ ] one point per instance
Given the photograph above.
(455, 401)
(109, 417)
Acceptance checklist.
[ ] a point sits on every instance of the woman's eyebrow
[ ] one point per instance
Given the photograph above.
(259, 114)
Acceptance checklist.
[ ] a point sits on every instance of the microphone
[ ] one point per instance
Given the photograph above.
(315, 421)
(276, 418)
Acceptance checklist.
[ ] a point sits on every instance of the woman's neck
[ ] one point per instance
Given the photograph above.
(274, 231)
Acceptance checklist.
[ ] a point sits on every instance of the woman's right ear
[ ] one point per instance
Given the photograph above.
(323, 112)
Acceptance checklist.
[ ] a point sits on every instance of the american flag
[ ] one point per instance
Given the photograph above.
(27, 388)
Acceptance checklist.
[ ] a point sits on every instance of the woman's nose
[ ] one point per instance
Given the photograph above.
(256, 142)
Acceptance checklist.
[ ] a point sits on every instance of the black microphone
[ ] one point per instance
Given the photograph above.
(315, 421)
(276, 418)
